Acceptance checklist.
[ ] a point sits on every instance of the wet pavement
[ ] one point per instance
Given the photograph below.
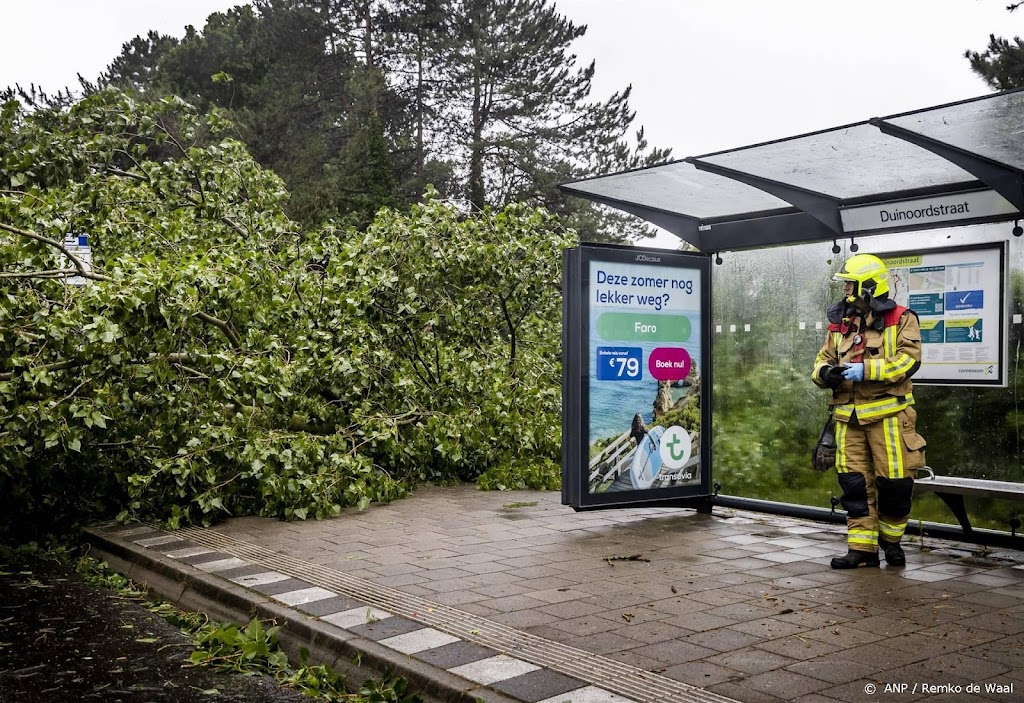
(512, 596)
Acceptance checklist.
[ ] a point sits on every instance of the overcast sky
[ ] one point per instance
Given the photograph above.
(706, 75)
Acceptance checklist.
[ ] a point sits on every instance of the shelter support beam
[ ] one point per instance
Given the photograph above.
(821, 207)
(1005, 180)
(769, 231)
(682, 226)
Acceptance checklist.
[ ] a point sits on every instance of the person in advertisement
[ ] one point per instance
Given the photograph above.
(871, 351)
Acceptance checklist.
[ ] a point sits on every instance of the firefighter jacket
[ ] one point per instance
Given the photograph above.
(888, 340)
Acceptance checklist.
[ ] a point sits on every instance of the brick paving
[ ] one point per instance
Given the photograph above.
(738, 604)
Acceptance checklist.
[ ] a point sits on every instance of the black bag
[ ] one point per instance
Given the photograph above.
(823, 457)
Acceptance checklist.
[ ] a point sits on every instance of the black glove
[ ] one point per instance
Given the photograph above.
(823, 457)
(832, 376)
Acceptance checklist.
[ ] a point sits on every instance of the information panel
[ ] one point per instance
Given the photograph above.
(959, 297)
(640, 363)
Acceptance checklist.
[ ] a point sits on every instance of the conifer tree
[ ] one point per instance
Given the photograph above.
(295, 79)
(1001, 65)
(519, 110)
(363, 103)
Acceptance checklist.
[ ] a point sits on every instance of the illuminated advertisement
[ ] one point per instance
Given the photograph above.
(639, 374)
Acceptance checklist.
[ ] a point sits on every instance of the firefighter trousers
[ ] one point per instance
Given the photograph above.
(877, 464)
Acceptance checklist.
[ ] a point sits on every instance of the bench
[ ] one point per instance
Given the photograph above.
(952, 489)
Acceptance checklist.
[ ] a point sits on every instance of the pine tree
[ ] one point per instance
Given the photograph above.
(364, 103)
(417, 40)
(137, 63)
(518, 110)
(1001, 65)
(298, 78)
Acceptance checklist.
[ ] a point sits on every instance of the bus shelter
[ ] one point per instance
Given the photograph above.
(650, 334)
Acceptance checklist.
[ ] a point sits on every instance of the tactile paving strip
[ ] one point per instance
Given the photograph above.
(623, 679)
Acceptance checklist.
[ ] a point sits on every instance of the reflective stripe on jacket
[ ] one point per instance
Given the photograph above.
(890, 355)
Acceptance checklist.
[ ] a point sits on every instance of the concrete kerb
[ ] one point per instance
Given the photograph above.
(359, 659)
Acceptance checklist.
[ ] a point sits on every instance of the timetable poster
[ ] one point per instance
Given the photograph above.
(959, 297)
(644, 382)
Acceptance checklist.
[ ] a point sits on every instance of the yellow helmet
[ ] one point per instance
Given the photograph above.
(868, 273)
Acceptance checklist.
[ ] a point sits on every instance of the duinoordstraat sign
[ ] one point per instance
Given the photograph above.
(976, 206)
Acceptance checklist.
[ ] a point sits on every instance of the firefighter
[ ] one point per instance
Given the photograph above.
(871, 350)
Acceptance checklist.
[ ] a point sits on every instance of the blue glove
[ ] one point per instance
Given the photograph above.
(854, 371)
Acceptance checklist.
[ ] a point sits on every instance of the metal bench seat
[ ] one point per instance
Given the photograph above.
(952, 489)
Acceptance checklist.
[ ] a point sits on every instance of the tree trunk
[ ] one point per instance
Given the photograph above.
(477, 195)
(419, 105)
(366, 11)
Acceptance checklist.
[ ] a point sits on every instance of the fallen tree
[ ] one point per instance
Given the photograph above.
(213, 358)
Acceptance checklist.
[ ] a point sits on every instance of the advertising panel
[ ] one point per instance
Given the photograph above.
(642, 431)
(959, 296)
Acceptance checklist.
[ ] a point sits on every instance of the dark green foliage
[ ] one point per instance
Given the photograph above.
(315, 115)
(1001, 65)
(359, 104)
(764, 434)
(519, 111)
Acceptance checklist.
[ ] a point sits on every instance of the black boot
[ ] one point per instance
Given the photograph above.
(894, 555)
(852, 559)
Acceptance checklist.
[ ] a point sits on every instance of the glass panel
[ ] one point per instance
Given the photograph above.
(850, 162)
(679, 187)
(767, 308)
(991, 127)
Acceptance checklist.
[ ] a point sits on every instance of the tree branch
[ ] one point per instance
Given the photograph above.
(128, 174)
(71, 395)
(512, 328)
(195, 374)
(223, 326)
(175, 358)
(79, 264)
(190, 198)
(52, 273)
(172, 138)
(55, 366)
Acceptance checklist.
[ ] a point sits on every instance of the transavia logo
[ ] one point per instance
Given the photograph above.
(676, 447)
(650, 259)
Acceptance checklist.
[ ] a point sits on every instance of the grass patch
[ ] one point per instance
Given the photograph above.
(251, 649)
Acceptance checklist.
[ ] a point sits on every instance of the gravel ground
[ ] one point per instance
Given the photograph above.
(62, 639)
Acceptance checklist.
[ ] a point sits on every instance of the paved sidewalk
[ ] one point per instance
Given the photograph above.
(512, 596)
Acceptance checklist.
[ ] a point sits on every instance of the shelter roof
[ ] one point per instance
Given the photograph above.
(953, 164)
